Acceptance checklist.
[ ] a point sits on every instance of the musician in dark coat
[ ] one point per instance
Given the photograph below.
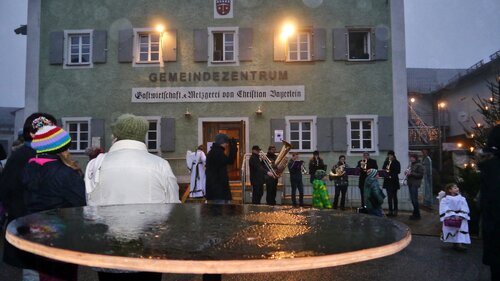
(364, 165)
(217, 186)
(271, 182)
(258, 172)
(392, 168)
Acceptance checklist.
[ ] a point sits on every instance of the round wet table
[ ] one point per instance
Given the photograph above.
(207, 239)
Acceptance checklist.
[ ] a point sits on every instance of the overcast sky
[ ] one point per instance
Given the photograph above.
(439, 34)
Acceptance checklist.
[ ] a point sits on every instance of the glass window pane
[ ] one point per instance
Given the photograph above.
(155, 57)
(143, 39)
(367, 144)
(294, 135)
(306, 135)
(355, 144)
(85, 58)
(355, 135)
(295, 144)
(293, 56)
(306, 145)
(155, 48)
(367, 134)
(151, 135)
(73, 127)
(152, 126)
(84, 127)
(74, 58)
(85, 39)
(354, 125)
(151, 144)
(229, 56)
(83, 145)
(143, 57)
(294, 126)
(84, 136)
(73, 145)
(229, 37)
(306, 126)
(155, 37)
(367, 124)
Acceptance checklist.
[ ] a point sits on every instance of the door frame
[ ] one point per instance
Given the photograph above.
(224, 119)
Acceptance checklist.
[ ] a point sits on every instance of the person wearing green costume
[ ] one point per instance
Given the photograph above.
(321, 200)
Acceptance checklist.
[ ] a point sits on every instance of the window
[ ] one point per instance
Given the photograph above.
(78, 46)
(299, 47)
(147, 47)
(223, 45)
(359, 45)
(301, 132)
(361, 131)
(153, 136)
(79, 130)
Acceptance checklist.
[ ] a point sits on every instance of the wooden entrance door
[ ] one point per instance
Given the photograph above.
(233, 129)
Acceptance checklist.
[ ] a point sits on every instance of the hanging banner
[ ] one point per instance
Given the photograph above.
(218, 94)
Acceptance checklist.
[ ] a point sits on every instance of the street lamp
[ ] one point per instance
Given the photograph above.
(441, 107)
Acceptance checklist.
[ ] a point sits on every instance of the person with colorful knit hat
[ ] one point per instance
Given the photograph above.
(52, 180)
(374, 197)
(321, 199)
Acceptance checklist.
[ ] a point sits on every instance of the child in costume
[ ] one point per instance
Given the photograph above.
(374, 196)
(454, 214)
(321, 199)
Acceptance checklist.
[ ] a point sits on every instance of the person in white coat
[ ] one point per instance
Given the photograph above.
(129, 174)
(196, 162)
(454, 214)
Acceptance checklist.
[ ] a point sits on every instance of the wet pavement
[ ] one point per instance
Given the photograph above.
(426, 258)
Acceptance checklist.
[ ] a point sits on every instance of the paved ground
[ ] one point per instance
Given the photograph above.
(426, 258)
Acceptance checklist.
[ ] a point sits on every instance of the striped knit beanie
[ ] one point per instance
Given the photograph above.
(371, 173)
(51, 139)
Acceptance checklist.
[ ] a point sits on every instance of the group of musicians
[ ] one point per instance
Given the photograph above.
(260, 174)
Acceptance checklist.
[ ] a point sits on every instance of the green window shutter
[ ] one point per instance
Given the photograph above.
(125, 45)
(339, 134)
(340, 44)
(169, 47)
(277, 124)
(381, 42)
(97, 130)
(99, 46)
(167, 127)
(385, 133)
(319, 44)
(56, 47)
(245, 38)
(200, 45)
(324, 129)
(279, 47)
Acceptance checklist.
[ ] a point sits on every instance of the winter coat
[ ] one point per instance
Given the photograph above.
(490, 209)
(373, 195)
(391, 181)
(50, 184)
(342, 180)
(257, 170)
(414, 178)
(12, 197)
(454, 206)
(217, 178)
(370, 164)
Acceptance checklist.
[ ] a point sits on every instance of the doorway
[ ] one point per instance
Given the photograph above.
(233, 129)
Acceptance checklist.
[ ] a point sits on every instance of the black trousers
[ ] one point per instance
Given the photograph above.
(257, 192)
(392, 198)
(340, 190)
(271, 185)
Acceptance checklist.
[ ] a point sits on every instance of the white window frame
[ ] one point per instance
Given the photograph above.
(136, 49)
(374, 149)
(67, 48)
(296, 39)
(236, 58)
(305, 118)
(367, 44)
(156, 119)
(67, 120)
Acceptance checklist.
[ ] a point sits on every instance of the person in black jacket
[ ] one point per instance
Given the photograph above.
(364, 165)
(52, 180)
(392, 168)
(217, 186)
(490, 202)
(295, 167)
(271, 181)
(257, 175)
(315, 163)
(12, 192)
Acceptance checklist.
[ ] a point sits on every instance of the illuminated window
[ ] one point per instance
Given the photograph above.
(299, 47)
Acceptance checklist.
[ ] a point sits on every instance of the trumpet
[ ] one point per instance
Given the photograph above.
(364, 164)
(303, 168)
(388, 167)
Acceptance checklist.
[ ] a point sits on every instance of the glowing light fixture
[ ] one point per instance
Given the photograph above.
(288, 30)
(471, 149)
(459, 145)
(412, 100)
(442, 104)
(160, 28)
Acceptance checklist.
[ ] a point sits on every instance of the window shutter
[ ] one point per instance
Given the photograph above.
(279, 47)
(277, 124)
(97, 130)
(245, 44)
(381, 42)
(56, 51)
(167, 127)
(324, 134)
(339, 44)
(169, 45)
(385, 133)
(340, 134)
(125, 45)
(99, 46)
(200, 45)
(319, 44)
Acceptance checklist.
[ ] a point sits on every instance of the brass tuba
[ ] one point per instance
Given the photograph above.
(278, 166)
(339, 171)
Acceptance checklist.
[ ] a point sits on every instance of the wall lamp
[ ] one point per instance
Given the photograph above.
(258, 111)
(187, 114)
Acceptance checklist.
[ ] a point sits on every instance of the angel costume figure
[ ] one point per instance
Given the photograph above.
(453, 206)
(195, 162)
